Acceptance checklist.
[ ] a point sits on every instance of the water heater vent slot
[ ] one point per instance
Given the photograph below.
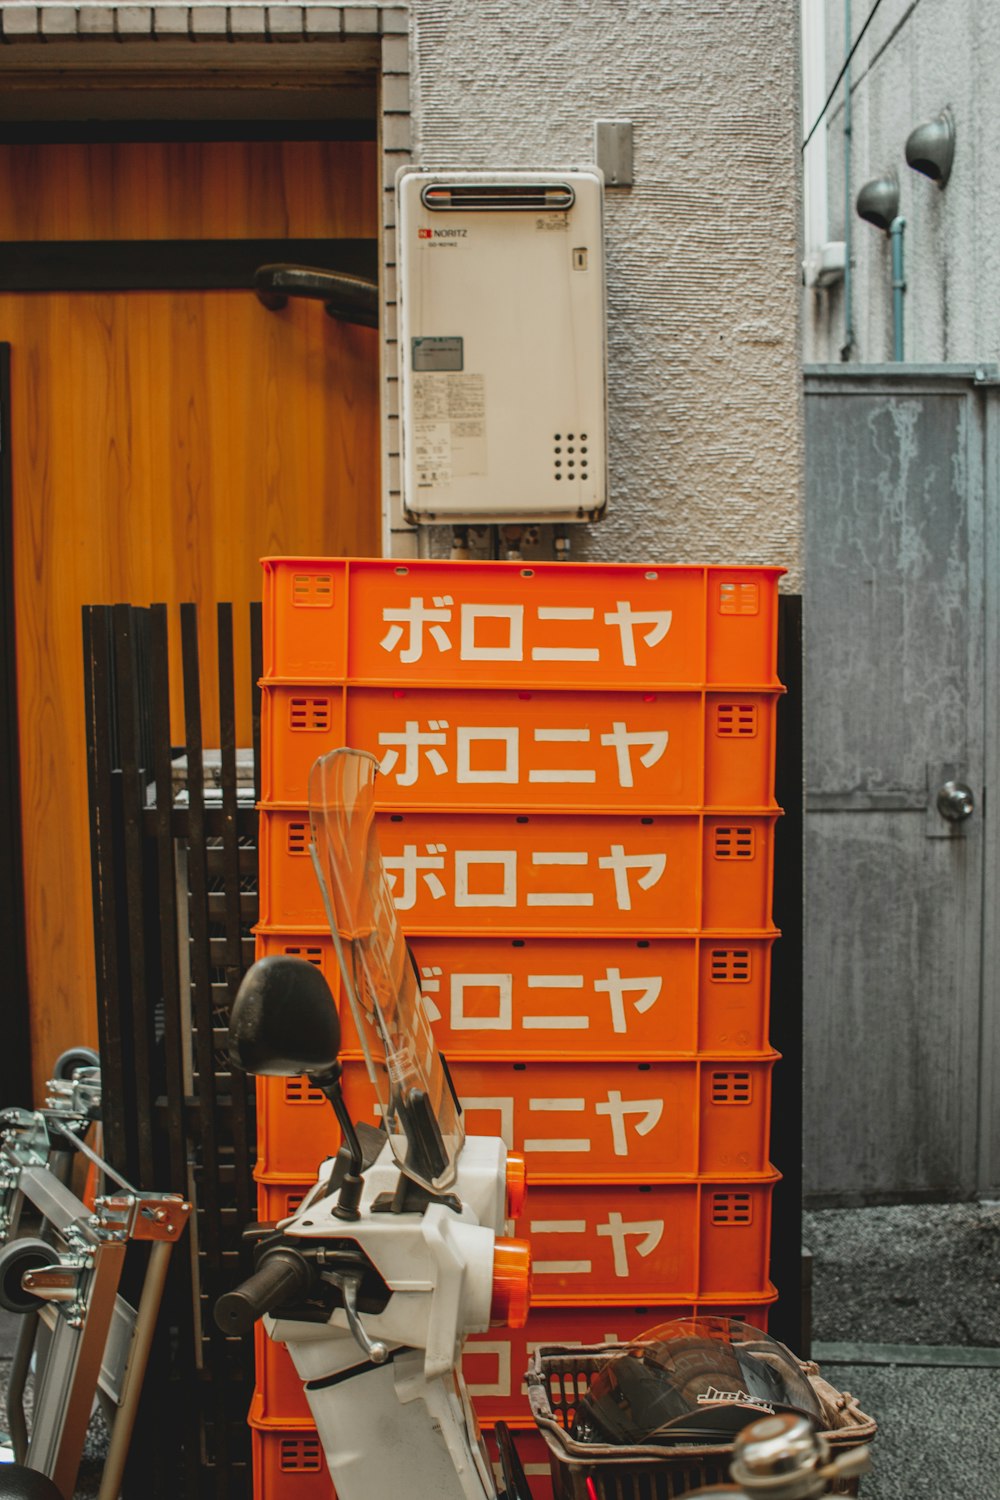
(535, 197)
(570, 455)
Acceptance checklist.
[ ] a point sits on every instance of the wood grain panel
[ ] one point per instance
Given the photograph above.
(188, 190)
(162, 443)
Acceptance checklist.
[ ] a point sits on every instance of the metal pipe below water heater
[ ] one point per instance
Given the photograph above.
(896, 229)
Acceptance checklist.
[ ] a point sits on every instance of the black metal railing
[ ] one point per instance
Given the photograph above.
(174, 865)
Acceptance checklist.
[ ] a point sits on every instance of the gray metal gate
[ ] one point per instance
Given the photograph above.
(901, 712)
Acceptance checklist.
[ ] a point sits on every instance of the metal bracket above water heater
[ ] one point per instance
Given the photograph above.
(613, 151)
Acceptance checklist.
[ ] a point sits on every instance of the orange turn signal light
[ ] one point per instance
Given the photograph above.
(517, 1184)
(511, 1283)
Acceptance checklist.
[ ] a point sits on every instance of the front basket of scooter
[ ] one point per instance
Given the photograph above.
(559, 1375)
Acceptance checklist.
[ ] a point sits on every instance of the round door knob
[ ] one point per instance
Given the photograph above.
(955, 801)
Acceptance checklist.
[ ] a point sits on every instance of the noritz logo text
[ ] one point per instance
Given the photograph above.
(442, 234)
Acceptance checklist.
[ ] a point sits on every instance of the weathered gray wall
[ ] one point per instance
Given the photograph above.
(914, 60)
(703, 257)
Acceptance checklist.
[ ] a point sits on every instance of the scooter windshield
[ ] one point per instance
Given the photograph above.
(418, 1109)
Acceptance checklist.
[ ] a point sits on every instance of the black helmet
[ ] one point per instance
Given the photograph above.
(693, 1380)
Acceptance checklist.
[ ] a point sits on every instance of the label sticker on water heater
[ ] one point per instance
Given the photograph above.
(449, 427)
(432, 354)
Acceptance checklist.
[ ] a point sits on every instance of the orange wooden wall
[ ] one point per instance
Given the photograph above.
(162, 443)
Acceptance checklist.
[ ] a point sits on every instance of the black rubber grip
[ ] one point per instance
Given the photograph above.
(281, 1276)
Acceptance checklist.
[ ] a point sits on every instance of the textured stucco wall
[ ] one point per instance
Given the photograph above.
(702, 253)
(914, 60)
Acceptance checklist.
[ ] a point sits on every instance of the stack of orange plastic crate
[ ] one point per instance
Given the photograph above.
(577, 812)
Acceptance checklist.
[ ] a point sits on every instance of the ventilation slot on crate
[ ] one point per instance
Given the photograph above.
(300, 1455)
(312, 589)
(300, 1091)
(739, 598)
(734, 843)
(736, 720)
(731, 1088)
(310, 713)
(298, 838)
(732, 1208)
(730, 966)
(293, 1202)
(312, 956)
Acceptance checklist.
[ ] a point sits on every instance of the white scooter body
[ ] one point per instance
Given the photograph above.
(382, 1425)
(385, 1388)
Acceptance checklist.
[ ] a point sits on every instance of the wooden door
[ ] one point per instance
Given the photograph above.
(162, 443)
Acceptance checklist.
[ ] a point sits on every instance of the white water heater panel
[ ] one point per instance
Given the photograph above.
(502, 345)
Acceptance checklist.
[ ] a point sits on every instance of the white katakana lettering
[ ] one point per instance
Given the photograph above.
(505, 775)
(616, 1230)
(430, 985)
(465, 862)
(562, 1144)
(620, 862)
(617, 988)
(412, 740)
(502, 1105)
(560, 898)
(415, 617)
(558, 1022)
(562, 737)
(511, 650)
(564, 653)
(617, 1108)
(626, 618)
(623, 741)
(411, 864)
(502, 1020)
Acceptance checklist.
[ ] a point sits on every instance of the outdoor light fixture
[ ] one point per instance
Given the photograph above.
(878, 204)
(878, 201)
(930, 148)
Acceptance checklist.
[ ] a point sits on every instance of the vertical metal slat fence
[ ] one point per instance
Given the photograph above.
(174, 859)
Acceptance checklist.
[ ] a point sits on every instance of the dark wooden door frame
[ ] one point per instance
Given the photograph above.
(15, 1024)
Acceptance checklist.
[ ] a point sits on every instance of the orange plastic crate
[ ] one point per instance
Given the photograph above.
(616, 1244)
(494, 1363)
(279, 1399)
(283, 1462)
(573, 1121)
(534, 1456)
(289, 1464)
(507, 750)
(543, 874)
(467, 624)
(627, 1121)
(278, 1197)
(737, 873)
(599, 998)
(613, 1244)
(296, 1126)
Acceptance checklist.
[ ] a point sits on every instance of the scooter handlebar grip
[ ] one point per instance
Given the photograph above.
(281, 1275)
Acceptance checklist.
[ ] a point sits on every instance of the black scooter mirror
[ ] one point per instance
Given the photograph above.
(284, 1021)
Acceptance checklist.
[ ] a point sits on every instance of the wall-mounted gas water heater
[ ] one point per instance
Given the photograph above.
(502, 345)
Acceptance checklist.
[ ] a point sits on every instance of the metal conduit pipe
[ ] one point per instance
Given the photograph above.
(898, 285)
(847, 347)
